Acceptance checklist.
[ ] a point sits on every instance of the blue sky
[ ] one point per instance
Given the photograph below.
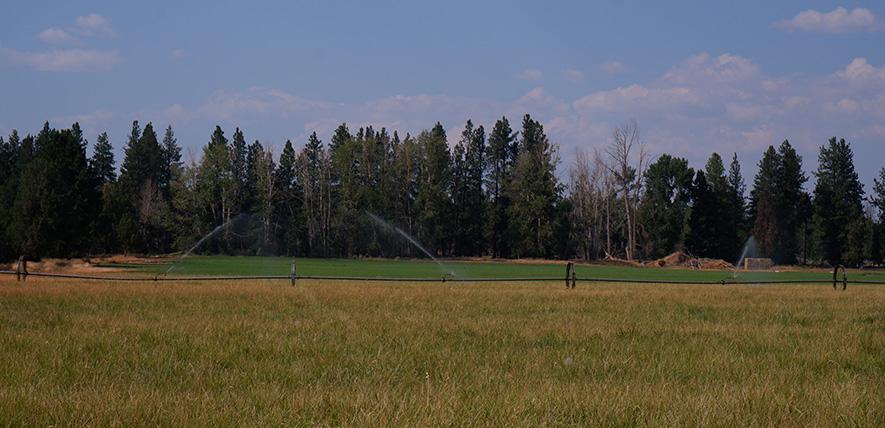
(697, 76)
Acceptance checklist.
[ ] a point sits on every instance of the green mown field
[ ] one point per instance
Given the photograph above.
(234, 265)
(264, 353)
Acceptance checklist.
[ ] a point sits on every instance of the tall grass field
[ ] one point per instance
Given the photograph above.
(503, 353)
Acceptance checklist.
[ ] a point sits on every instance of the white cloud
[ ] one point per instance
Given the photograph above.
(94, 24)
(573, 75)
(859, 70)
(839, 20)
(724, 68)
(529, 74)
(55, 36)
(95, 118)
(255, 103)
(636, 97)
(613, 67)
(706, 103)
(64, 60)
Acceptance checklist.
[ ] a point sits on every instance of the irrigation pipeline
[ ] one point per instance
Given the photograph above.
(163, 278)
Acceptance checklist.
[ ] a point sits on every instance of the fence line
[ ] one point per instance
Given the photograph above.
(159, 278)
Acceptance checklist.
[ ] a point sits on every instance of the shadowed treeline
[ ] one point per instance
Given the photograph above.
(492, 193)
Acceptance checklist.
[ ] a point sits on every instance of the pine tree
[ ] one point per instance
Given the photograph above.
(287, 207)
(263, 195)
(6, 161)
(534, 193)
(238, 171)
(434, 179)
(501, 157)
(102, 161)
(718, 186)
(468, 196)
(171, 155)
(735, 211)
(789, 184)
(104, 175)
(838, 197)
(311, 167)
(342, 182)
(878, 201)
(764, 203)
(665, 203)
(702, 237)
(56, 199)
(407, 167)
(135, 204)
(215, 186)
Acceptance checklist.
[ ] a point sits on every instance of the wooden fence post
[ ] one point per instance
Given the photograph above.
(292, 274)
(836, 277)
(21, 269)
(570, 275)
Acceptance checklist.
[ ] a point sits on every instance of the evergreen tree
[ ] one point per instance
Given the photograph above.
(735, 211)
(343, 187)
(432, 201)
(238, 171)
(104, 175)
(146, 209)
(789, 183)
(407, 167)
(501, 157)
(287, 207)
(215, 185)
(460, 218)
(664, 208)
(102, 161)
(702, 224)
(171, 156)
(475, 198)
(468, 196)
(717, 183)
(311, 166)
(838, 197)
(263, 196)
(6, 156)
(534, 193)
(56, 199)
(878, 200)
(764, 203)
(189, 223)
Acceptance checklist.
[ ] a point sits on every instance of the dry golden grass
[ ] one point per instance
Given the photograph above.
(349, 353)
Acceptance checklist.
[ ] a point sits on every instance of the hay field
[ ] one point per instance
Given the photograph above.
(351, 353)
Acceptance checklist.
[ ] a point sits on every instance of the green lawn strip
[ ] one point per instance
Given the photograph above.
(379, 268)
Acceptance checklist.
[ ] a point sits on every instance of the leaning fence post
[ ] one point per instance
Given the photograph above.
(292, 275)
(569, 267)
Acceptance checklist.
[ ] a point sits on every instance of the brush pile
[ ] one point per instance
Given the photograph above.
(682, 260)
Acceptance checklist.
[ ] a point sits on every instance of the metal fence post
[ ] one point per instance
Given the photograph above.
(292, 274)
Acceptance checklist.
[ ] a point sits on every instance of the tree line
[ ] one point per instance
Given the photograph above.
(492, 193)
